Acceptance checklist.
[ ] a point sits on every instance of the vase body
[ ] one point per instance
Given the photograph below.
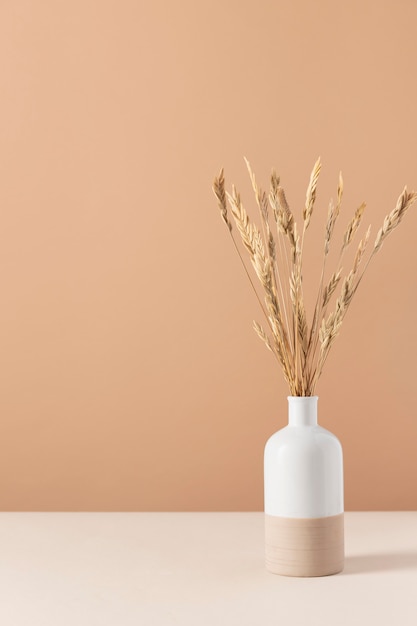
(303, 481)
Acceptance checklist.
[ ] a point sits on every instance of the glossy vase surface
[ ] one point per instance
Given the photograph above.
(303, 481)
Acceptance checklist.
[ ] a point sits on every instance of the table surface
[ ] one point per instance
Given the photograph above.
(198, 569)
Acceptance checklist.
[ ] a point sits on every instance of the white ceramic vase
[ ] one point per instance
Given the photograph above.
(303, 479)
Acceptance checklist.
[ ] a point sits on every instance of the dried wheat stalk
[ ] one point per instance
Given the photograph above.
(276, 255)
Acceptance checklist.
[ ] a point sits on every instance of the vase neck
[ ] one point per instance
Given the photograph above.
(302, 410)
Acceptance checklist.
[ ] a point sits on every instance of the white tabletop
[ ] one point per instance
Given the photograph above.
(198, 569)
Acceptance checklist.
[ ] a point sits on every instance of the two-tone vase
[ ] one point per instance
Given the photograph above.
(303, 480)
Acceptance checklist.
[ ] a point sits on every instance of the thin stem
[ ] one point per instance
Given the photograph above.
(251, 282)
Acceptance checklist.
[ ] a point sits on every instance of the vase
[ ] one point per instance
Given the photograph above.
(303, 481)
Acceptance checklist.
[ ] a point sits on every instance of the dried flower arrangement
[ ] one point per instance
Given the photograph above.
(276, 254)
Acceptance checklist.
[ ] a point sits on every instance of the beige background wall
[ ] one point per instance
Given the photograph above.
(130, 377)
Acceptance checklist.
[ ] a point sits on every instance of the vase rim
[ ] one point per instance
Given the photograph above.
(302, 398)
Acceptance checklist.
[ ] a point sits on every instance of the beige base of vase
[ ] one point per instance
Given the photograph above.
(304, 547)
